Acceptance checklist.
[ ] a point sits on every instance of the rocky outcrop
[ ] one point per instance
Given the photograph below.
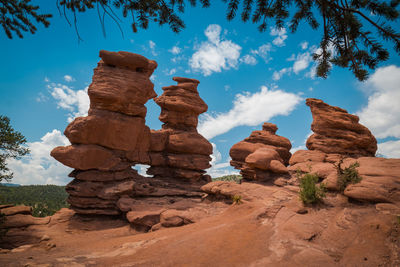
(263, 155)
(380, 180)
(178, 150)
(113, 137)
(338, 132)
(14, 225)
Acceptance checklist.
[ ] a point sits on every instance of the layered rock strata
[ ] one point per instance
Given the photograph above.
(178, 150)
(113, 137)
(263, 155)
(338, 132)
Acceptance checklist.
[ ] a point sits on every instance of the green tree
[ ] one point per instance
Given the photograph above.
(16, 16)
(346, 37)
(11, 143)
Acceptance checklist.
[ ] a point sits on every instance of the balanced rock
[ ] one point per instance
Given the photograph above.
(178, 150)
(263, 155)
(338, 132)
(113, 137)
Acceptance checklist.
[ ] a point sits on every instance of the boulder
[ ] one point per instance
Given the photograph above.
(263, 155)
(338, 132)
(380, 180)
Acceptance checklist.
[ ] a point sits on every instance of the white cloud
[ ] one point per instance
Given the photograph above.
(41, 98)
(77, 102)
(302, 62)
(304, 45)
(219, 168)
(294, 149)
(291, 58)
(390, 149)
(382, 113)
(170, 72)
(249, 110)
(263, 52)
(152, 46)
(281, 36)
(277, 75)
(249, 60)
(142, 169)
(39, 167)
(67, 78)
(215, 54)
(175, 50)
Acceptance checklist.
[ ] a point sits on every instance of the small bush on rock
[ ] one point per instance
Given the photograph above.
(237, 199)
(348, 176)
(310, 192)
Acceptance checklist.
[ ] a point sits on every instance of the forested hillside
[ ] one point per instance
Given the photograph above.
(44, 199)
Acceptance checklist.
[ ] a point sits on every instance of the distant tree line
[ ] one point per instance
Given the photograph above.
(44, 199)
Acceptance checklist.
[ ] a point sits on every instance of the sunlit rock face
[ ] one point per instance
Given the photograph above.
(263, 155)
(178, 150)
(113, 137)
(338, 132)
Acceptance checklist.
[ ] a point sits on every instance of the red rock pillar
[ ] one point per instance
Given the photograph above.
(113, 137)
(178, 150)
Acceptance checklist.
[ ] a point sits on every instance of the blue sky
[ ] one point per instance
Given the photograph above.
(246, 78)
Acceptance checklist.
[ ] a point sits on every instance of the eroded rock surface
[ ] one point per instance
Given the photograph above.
(263, 155)
(338, 132)
(178, 150)
(113, 137)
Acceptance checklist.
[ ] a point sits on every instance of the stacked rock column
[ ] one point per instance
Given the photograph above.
(113, 137)
(263, 155)
(178, 150)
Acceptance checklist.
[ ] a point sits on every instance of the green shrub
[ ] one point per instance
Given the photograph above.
(310, 192)
(237, 199)
(348, 176)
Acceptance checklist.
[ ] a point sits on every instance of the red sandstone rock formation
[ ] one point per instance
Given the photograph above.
(262, 155)
(337, 132)
(178, 150)
(113, 137)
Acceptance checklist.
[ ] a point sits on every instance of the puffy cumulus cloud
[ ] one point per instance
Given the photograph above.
(67, 78)
(219, 168)
(76, 102)
(277, 75)
(152, 46)
(280, 34)
(390, 149)
(382, 113)
(304, 45)
(249, 110)
(263, 51)
(302, 62)
(170, 71)
(39, 167)
(175, 50)
(249, 60)
(215, 54)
